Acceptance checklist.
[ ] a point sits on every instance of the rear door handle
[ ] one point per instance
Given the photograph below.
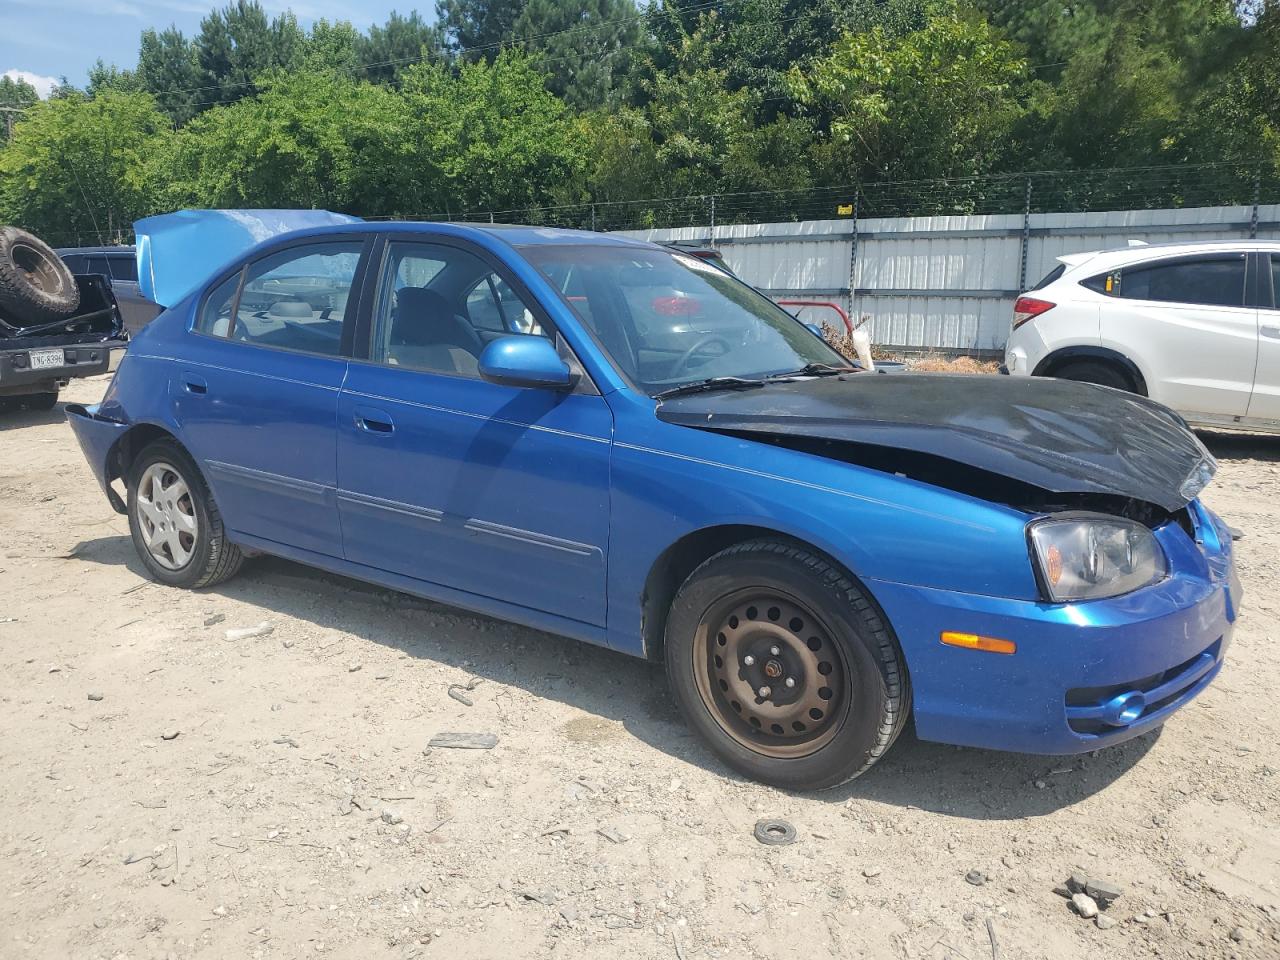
(372, 420)
(193, 384)
(1272, 332)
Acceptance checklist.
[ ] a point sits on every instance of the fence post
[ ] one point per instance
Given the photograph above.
(1257, 199)
(1026, 239)
(853, 255)
(593, 216)
(713, 221)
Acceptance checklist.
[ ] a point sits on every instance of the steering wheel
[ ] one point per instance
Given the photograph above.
(686, 359)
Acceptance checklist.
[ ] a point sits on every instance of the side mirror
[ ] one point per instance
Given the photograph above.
(527, 361)
(815, 330)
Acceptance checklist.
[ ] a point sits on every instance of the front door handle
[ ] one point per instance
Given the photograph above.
(193, 384)
(372, 420)
(1272, 332)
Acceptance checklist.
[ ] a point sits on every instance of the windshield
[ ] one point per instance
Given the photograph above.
(669, 319)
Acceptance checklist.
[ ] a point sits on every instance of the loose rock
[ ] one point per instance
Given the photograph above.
(1104, 922)
(95, 696)
(976, 877)
(1084, 905)
(170, 735)
(1104, 892)
(246, 633)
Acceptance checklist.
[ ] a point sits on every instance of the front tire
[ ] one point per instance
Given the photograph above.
(785, 667)
(176, 527)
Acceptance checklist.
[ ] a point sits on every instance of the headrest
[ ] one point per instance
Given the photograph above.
(290, 308)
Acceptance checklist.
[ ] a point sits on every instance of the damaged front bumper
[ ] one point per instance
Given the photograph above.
(1085, 675)
(99, 440)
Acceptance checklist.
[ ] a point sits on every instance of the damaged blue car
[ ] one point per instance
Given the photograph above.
(622, 443)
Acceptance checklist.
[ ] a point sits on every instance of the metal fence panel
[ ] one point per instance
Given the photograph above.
(944, 283)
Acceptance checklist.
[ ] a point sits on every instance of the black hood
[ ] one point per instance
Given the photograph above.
(1058, 435)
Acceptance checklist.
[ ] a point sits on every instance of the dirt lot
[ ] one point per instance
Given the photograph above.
(171, 793)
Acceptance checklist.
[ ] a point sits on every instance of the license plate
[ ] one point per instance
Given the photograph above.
(44, 359)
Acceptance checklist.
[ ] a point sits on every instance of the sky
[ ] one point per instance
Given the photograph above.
(43, 40)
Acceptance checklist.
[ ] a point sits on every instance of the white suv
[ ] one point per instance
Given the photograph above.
(1195, 326)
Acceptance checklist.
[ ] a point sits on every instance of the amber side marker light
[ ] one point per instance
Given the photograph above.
(971, 641)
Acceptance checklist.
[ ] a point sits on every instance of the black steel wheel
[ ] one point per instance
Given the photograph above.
(785, 666)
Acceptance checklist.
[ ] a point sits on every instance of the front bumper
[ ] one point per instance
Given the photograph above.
(17, 375)
(1085, 675)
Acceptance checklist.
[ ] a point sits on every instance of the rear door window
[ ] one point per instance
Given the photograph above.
(123, 268)
(1209, 281)
(296, 299)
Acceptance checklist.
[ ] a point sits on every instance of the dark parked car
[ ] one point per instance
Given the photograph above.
(54, 325)
(120, 266)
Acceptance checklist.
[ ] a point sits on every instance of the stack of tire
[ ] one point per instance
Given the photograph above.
(35, 285)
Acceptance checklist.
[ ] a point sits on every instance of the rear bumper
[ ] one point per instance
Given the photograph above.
(17, 375)
(98, 438)
(1085, 675)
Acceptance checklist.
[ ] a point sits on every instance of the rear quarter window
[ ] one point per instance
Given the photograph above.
(1049, 277)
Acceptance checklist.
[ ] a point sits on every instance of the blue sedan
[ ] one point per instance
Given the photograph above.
(622, 443)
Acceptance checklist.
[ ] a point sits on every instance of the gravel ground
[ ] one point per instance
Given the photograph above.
(175, 793)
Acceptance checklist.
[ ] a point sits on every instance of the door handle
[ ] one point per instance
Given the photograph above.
(1272, 332)
(193, 384)
(375, 421)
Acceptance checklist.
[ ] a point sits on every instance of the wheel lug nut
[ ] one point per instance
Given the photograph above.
(790, 681)
(764, 692)
(749, 660)
(774, 651)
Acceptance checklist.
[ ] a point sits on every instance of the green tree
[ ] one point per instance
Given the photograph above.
(169, 70)
(308, 139)
(15, 97)
(238, 43)
(387, 50)
(103, 77)
(935, 102)
(585, 45)
(481, 26)
(83, 168)
(491, 135)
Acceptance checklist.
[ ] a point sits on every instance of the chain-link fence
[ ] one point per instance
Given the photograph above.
(1054, 191)
(1131, 188)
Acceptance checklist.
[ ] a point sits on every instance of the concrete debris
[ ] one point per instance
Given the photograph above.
(464, 741)
(247, 633)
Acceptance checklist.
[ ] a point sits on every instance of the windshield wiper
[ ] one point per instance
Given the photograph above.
(815, 370)
(711, 383)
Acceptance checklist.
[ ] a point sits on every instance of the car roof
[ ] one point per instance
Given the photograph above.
(517, 235)
(1147, 251)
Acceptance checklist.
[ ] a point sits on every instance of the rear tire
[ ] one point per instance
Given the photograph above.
(1096, 371)
(760, 614)
(35, 285)
(176, 527)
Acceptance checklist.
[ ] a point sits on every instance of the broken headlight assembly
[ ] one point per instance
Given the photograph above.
(1089, 558)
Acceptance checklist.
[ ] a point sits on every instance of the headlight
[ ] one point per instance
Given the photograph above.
(1093, 557)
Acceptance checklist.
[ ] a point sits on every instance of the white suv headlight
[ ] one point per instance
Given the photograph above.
(1088, 558)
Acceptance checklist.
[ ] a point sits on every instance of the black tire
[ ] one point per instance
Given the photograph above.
(1096, 371)
(213, 558)
(35, 285)
(40, 401)
(874, 695)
